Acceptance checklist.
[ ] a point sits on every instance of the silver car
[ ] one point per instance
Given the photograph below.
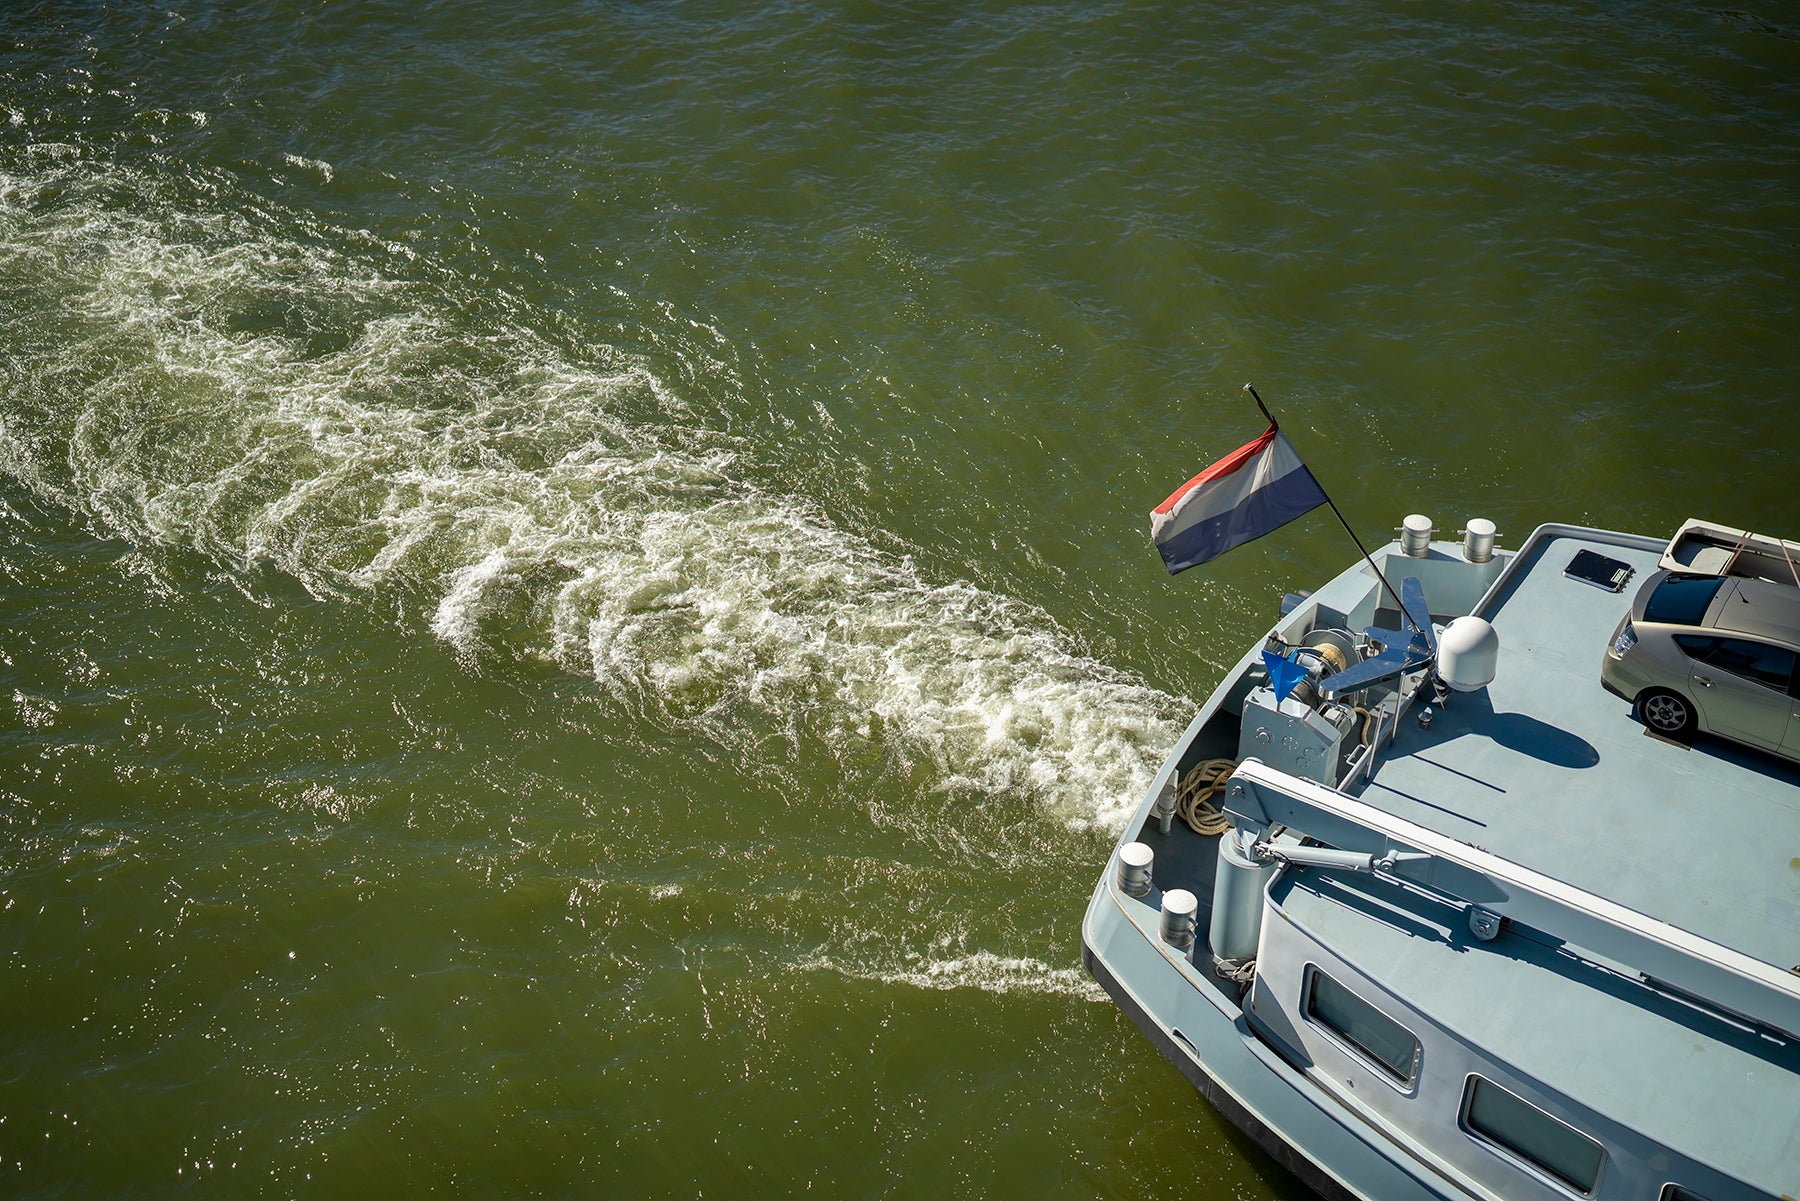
(1712, 653)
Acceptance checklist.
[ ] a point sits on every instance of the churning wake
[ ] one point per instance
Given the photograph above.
(196, 368)
(981, 970)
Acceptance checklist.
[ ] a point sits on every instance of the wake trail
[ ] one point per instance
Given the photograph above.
(195, 368)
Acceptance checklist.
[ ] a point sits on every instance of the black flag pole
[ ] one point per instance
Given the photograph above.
(1398, 603)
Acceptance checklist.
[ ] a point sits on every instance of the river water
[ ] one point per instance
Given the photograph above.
(579, 619)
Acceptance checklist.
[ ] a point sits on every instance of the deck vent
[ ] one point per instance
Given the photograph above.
(1610, 575)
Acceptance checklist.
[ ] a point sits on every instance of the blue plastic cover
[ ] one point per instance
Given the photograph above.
(1284, 673)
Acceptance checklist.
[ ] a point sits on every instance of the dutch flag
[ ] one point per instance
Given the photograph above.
(1254, 490)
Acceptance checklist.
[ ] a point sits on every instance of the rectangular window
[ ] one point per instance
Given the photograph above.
(1379, 1037)
(1757, 661)
(1513, 1123)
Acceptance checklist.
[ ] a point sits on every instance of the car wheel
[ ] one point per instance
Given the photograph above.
(1667, 713)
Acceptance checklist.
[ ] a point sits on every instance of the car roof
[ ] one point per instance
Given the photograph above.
(1757, 608)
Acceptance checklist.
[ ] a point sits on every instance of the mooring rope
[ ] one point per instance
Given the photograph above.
(1193, 797)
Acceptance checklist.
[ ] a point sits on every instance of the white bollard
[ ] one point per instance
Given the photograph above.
(1478, 540)
(1134, 869)
(1179, 911)
(1415, 536)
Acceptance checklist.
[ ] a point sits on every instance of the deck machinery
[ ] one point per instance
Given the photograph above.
(1463, 928)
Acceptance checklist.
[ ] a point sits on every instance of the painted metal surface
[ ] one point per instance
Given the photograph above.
(1660, 1083)
(1541, 808)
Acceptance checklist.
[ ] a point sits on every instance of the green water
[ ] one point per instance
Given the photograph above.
(578, 613)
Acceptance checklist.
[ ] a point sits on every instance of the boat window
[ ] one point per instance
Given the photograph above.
(1757, 661)
(1674, 1192)
(1515, 1124)
(1376, 1035)
(1682, 600)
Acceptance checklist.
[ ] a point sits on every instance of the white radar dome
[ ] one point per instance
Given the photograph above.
(1468, 654)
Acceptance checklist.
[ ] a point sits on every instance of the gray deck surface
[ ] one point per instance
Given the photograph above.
(1548, 769)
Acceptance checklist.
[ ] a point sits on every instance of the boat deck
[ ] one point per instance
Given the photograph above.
(1549, 770)
(1713, 1092)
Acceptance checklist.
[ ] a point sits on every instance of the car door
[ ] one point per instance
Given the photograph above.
(1790, 746)
(1741, 689)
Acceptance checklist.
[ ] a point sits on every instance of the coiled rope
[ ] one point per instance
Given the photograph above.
(1193, 796)
(1238, 971)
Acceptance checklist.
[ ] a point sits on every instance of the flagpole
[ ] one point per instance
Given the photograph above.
(1276, 425)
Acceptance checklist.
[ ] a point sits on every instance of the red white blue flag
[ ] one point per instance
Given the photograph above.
(1254, 490)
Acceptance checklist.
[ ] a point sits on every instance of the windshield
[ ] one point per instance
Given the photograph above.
(1682, 599)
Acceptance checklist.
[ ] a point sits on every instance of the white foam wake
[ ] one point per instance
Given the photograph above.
(983, 970)
(272, 391)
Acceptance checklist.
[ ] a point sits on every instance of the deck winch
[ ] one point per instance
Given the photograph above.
(1289, 723)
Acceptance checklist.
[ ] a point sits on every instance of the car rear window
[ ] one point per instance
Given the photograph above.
(1681, 600)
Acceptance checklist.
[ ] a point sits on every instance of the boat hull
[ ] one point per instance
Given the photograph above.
(1267, 1098)
(1260, 1132)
